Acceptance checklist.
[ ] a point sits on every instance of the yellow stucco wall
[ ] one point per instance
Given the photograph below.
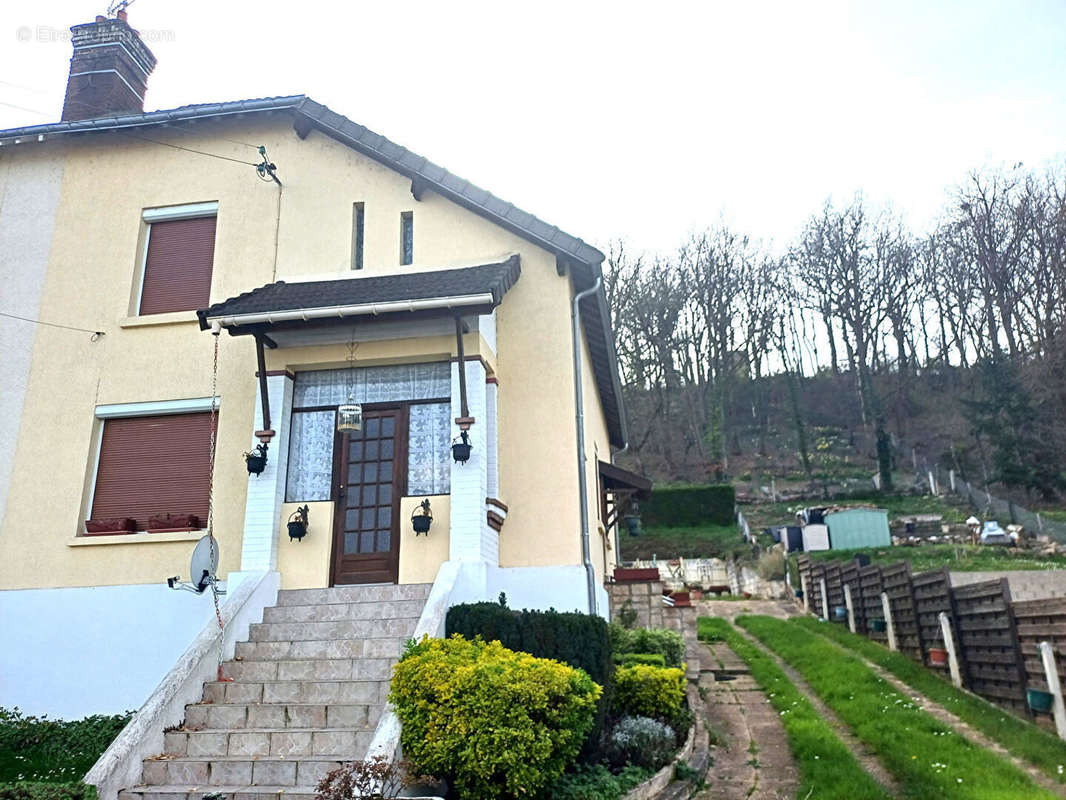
(94, 263)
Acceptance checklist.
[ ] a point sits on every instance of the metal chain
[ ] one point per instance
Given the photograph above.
(211, 499)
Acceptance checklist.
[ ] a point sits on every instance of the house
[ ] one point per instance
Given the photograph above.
(222, 278)
(844, 527)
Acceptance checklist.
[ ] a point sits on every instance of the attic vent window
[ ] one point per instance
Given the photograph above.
(358, 219)
(407, 237)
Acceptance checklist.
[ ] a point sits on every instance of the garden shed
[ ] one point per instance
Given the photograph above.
(849, 527)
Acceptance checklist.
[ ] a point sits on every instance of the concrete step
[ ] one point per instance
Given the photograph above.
(330, 612)
(288, 692)
(308, 649)
(354, 594)
(239, 792)
(330, 669)
(267, 742)
(242, 770)
(341, 629)
(235, 716)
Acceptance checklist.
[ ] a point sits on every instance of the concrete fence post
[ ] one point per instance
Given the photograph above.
(890, 628)
(951, 480)
(825, 599)
(851, 608)
(949, 645)
(1051, 672)
(932, 484)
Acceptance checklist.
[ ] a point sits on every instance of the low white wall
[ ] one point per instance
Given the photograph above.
(69, 653)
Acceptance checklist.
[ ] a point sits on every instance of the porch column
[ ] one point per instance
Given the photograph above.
(266, 493)
(469, 527)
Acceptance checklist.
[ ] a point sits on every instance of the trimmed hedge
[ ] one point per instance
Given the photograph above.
(646, 691)
(647, 641)
(689, 506)
(37, 750)
(580, 640)
(493, 722)
(34, 790)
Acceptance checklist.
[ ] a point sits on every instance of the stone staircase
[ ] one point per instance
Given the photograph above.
(307, 691)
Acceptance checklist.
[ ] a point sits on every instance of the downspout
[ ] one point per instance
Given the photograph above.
(582, 484)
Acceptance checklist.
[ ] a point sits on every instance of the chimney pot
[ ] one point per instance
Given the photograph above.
(108, 71)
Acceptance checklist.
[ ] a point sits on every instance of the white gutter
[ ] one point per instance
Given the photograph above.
(354, 310)
(579, 402)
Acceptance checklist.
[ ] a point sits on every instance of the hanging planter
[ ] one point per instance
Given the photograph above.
(1039, 701)
(938, 656)
(878, 625)
(632, 522)
(256, 460)
(298, 524)
(422, 518)
(461, 448)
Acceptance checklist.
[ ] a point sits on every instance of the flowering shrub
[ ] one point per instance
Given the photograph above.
(642, 742)
(495, 723)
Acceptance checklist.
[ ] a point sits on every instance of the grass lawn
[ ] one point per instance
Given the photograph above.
(928, 758)
(963, 558)
(1054, 514)
(703, 541)
(828, 770)
(1021, 738)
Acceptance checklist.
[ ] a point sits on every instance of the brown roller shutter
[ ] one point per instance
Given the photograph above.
(153, 465)
(177, 269)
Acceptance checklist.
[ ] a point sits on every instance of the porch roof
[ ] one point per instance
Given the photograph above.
(468, 289)
(615, 479)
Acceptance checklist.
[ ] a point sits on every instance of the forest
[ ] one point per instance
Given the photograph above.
(892, 343)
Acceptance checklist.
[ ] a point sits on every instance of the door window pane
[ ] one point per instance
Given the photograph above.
(351, 543)
(370, 495)
(384, 539)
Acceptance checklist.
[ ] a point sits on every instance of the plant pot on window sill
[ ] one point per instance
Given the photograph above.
(172, 523)
(105, 527)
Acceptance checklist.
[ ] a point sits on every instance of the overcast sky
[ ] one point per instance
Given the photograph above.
(644, 121)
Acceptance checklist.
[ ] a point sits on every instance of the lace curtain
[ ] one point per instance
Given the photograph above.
(310, 471)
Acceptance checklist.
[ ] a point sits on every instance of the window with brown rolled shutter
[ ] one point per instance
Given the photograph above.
(151, 466)
(177, 266)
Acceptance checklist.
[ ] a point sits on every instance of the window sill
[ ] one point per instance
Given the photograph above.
(170, 318)
(135, 538)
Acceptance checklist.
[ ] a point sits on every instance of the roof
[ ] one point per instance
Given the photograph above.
(487, 279)
(614, 478)
(583, 259)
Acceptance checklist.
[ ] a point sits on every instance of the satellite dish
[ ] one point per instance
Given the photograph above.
(203, 568)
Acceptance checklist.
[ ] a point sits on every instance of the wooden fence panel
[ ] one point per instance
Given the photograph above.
(932, 595)
(896, 579)
(1041, 621)
(803, 569)
(849, 576)
(870, 581)
(817, 574)
(988, 639)
(834, 588)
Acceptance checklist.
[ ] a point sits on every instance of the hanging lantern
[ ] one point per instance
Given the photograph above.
(422, 518)
(350, 416)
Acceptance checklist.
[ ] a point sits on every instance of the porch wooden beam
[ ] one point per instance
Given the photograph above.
(462, 367)
(261, 359)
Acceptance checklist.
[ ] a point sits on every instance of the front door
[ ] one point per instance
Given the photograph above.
(372, 470)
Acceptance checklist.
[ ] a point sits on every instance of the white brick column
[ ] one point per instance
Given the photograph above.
(266, 493)
(492, 426)
(470, 480)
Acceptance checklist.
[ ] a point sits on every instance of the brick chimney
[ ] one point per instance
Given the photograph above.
(108, 71)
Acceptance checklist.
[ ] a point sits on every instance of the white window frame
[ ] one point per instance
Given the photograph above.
(157, 408)
(167, 214)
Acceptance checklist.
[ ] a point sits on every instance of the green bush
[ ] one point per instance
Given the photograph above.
(645, 691)
(31, 790)
(38, 749)
(495, 723)
(690, 506)
(580, 640)
(650, 659)
(649, 641)
(595, 782)
(641, 741)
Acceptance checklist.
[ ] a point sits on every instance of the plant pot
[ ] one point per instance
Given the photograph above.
(1039, 701)
(840, 612)
(635, 574)
(256, 464)
(162, 523)
(297, 529)
(681, 599)
(632, 524)
(421, 523)
(102, 527)
(938, 656)
(878, 625)
(461, 452)
(697, 594)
